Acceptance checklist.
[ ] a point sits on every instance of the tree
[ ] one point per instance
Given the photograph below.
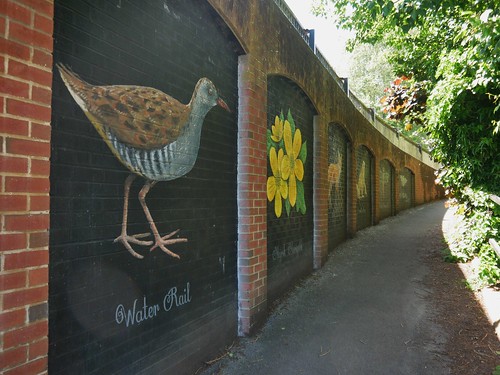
(454, 46)
(405, 100)
(370, 72)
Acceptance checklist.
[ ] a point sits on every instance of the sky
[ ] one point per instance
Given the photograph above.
(330, 41)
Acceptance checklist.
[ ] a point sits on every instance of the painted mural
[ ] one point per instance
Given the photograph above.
(334, 171)
(386, 183)
(152, 134)
(158, 132)
(406, 189)
(287, 157)
(338, 155)
(364, 187)
(361, 185)
(290, 118)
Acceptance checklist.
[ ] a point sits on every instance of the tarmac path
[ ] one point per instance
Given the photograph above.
(365, 312)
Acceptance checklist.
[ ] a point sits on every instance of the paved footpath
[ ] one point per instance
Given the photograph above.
(364, 312)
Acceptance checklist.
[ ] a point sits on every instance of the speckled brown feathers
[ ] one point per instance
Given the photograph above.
(141, 117)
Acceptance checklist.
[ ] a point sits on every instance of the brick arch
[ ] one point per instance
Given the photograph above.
(370, 148)
(406, 188)
(343, 127)
(364, 189)
(290, 234)
(271, 45)
(387, 189)
(296, 86)
(339, 183)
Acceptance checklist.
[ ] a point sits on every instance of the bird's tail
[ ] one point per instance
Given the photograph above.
(77, 87)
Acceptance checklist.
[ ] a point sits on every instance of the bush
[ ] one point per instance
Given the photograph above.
(479, 221)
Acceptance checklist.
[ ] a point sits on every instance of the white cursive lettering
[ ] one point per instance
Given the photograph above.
(139, 313)
(172, 298)
(136, 315)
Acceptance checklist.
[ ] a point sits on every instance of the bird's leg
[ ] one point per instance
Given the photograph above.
(124, 238)
(160, 241)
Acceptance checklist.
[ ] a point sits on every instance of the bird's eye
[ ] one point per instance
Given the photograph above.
(211, 91)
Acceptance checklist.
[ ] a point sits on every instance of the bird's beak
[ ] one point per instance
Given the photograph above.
(223, 104)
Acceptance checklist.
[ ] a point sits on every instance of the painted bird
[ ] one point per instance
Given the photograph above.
(152, 134)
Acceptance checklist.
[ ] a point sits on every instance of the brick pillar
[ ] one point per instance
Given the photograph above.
(397, 182)
(252, 198)
(353, 180)
(320, 182)
(376, 190)
(419, 183)
(25, 99)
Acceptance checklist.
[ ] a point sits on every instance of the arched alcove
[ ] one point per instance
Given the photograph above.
(339, 156)
(289, 165)
(406, 189)
(364, 187)
(387, 178)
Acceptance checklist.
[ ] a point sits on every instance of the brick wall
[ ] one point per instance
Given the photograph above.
(25, 97)
(338, 157)
(284, 53)
(25, 146)
(252, 170)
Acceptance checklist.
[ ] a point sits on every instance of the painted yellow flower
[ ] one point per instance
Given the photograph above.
(292, 168)
(277, 129)
(277, 188)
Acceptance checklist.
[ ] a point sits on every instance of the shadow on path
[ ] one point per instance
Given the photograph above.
(370, 310)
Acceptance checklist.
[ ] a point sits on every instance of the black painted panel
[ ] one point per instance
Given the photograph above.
(364, 185)
(289, 231)
(406, 189)
(386, 181)
(185, 310)
(338, 155)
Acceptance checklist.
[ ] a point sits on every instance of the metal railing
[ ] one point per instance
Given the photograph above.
(304, 33)
(308, 37)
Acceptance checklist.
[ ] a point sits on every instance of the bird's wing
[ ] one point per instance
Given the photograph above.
(141, 117)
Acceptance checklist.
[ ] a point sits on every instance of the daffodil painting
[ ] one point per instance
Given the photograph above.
(287, 157)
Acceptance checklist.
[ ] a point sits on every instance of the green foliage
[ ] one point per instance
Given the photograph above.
(370, 71)
(454, 45)
(463, 107)
(480, 221)
(406, 100)
(489, 266)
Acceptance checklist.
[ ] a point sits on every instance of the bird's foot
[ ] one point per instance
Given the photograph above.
(125, 239)
(161, 242)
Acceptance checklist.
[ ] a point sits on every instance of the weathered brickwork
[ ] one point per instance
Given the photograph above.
(240, 256)
(25, 97)
(339, 154)
(386, 191)
(252, 219)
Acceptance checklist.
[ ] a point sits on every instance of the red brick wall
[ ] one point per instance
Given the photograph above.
(25, 98)
(252, 201)
(273, 46)
(320, 193)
